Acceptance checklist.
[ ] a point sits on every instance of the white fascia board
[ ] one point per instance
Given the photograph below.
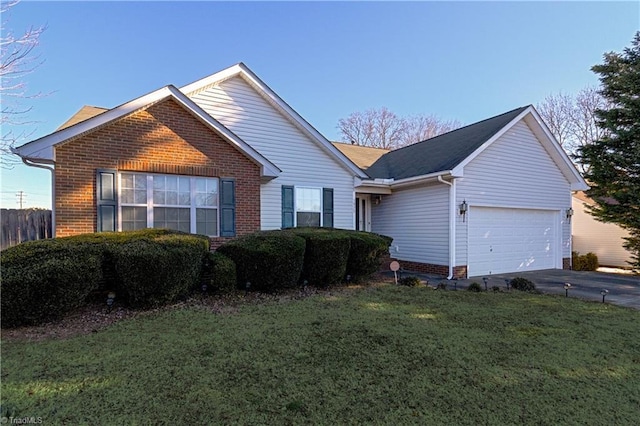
(555, 150)
(268, 168)
(272, 97)
(416, 180)
(43, 148)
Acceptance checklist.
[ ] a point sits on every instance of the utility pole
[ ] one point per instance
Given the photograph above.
(21, 196)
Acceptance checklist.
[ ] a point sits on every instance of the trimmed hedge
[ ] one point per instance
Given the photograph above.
(152, 272)
(219, 273)
(43, 280)
(522, 284)
(366, 253)
(269, 260)
(325, 257)
(584, 262)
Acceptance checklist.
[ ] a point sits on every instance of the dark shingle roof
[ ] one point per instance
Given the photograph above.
(440, 153)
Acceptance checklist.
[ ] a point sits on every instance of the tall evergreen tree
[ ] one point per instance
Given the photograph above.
(614, 160)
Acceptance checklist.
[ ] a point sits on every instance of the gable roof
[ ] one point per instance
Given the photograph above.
(362, 156)
(450, 152)
(83, 113)
(42, 150)
(440, 153)
(276, 101)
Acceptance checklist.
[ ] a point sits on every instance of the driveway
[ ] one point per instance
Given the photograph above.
(624, 290)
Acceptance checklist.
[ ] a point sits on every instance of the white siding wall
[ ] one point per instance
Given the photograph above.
(516, 172)
(603, 239)
(417, 219)
(303, 163)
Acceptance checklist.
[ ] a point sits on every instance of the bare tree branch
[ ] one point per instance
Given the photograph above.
(422, 127)
(17, 60)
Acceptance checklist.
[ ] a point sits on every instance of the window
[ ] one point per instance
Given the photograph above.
(307, 206)
(183, 203)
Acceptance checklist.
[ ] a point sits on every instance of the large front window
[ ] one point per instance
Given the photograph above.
(183, 203)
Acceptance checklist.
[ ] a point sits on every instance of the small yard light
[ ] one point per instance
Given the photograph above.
(463, 209)
(486, 280)
(204, 288)
(348, 279)
(508, 283)
(455, 284)
(305, 283)
(247, 286)
(567, 287)
(604, 293)
(110, 299)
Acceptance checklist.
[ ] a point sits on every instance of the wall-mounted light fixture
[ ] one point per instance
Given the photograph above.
(463, 209)
(377, 199)
(569, 213)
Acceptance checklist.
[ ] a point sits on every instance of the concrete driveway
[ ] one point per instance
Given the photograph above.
(624, 290)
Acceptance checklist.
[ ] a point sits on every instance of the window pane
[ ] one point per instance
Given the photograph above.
(127, 196)
(308, 199)
(207, 221)
(171, 218)
(158, 196)
(305, 219)
(206, 192)
(171, 182)
(140, 196)
(134, 218)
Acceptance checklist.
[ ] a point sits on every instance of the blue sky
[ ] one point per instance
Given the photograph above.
(460, 60)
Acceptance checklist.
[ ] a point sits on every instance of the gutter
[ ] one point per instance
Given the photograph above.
(452, 223)
(31, 163)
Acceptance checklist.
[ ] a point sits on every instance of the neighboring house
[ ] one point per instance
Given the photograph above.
(225, 156)
(604, 239)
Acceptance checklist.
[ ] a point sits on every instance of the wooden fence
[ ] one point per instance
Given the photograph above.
(24, 225)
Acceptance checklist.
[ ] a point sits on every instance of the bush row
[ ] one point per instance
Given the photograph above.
(584, 262)
(272, 260)
(43, 280)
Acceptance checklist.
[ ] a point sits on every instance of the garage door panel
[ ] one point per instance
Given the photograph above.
(508, 240)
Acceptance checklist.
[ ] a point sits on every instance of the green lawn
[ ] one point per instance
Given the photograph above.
(376, 355)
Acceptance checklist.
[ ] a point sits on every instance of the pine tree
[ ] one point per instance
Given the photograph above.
(614, 160)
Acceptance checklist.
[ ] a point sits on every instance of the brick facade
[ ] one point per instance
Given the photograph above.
(566, 263)
(164, 138)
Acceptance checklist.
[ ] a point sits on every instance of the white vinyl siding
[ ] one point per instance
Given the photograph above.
(303, 162)
(604, 239)
(514, 172)
(418, 221)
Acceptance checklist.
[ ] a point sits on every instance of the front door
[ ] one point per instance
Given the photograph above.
(363, 215)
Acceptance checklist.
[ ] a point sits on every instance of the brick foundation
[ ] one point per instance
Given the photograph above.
(566, 263)
(164, 138)
(426, 268)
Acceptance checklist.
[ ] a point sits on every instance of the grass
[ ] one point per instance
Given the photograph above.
(376, 355)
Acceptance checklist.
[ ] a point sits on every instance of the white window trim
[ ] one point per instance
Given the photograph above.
(295, 204)
(150, 205)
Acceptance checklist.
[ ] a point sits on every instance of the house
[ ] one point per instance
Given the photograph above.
(604, 239)
(223, 156)
(488, 198)
(226, 156)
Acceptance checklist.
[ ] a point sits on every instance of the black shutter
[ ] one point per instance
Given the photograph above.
(227, 207)
(107, 200)
(287, 207)
(327, 207)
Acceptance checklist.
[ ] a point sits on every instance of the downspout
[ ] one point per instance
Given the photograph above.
(30, 163)
(452, 223)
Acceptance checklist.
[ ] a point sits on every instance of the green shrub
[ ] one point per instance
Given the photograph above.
(474, 287)
(152, 272)
(522, 284)
(269, 260)
(325, 256)
(365, 255)
(43, 280)
(410, 281)
(584, 262)
(219, 273)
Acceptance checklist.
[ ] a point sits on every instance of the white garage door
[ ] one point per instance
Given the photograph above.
(505, 240)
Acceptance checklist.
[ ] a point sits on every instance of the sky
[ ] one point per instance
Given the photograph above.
(458, 60)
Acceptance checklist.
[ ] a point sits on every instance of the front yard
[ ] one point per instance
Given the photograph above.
(381, 354)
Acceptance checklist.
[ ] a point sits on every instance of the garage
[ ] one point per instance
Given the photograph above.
(503, 240)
